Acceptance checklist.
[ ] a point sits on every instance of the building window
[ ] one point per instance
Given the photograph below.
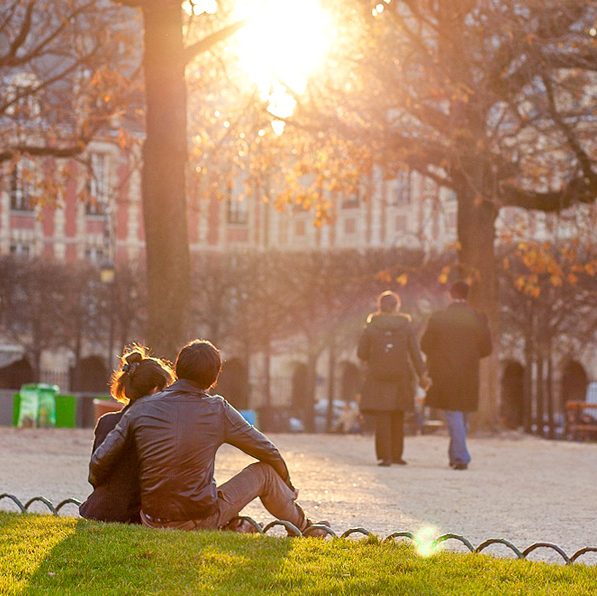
(98, 185)
(351, 202)
(22, 99)
(282, 230)
(21, 186)
(429, 189)
(237, 211)
(451, 196)
(20, 249)
(401, 222)
(350, 226)
(299, 228)
(95, 254)
(451, 220)
(403, 187)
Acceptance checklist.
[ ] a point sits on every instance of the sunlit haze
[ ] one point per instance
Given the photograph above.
(283, 44)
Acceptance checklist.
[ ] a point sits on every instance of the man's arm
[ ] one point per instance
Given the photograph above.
(415, 354)
(485, 346)
(364, 345)
(428, 339)
(106, 455)
(240, 434)
(417, 359)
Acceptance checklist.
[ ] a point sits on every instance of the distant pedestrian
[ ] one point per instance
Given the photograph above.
(455, 341)
(389, 347)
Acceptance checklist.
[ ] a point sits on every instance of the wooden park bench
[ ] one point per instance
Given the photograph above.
(581, 420)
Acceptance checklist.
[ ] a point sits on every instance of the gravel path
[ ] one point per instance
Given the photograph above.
(517, 487)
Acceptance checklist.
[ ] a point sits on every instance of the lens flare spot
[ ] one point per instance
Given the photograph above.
(424, 541)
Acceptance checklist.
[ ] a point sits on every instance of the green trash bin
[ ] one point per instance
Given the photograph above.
(46, 417)
(16, 408)
(66, 411)
(37, 405)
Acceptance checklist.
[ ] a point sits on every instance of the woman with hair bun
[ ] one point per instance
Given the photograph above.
(118, 498)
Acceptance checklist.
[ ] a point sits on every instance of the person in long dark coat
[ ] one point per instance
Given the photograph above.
(455, 341)
(389, 347)
(118, 499)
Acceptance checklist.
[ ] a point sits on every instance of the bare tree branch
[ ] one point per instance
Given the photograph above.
(581, 155)
(579, 190)
(210, 41)
(21, 36)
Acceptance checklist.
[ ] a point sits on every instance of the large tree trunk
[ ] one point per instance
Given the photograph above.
(163, 178)
(36, 364)
(476, 236)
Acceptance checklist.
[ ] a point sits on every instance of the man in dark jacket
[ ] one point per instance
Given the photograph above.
(455, 341)
(389, 347)
(177, 433)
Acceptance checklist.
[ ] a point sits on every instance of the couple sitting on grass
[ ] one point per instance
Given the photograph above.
(153, 462)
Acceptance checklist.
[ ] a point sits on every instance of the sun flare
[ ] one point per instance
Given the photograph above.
(425, 541)
(283, 44)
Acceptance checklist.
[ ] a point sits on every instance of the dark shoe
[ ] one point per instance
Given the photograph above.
(400, 462)
(459, 466)
(240, 525)
(313, 532)
(384, 463)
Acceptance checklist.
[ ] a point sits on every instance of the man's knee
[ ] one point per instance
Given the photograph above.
(267, 475)
(261, 470)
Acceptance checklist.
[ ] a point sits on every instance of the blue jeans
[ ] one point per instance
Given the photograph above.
(457, 426)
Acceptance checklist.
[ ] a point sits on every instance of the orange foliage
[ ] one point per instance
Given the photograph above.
(534, 266)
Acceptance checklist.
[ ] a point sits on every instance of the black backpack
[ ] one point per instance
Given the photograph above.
(388, 353)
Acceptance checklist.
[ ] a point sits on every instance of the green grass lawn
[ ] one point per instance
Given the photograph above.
(41, 554)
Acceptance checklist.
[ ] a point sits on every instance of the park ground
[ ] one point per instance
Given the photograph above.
(518, 487)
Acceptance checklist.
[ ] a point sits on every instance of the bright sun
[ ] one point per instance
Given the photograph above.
(283, 43)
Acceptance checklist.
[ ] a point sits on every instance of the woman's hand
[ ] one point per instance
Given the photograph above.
(425, 382)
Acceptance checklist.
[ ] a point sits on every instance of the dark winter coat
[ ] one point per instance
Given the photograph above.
(382, 395)
(455, 341)
(118, 498)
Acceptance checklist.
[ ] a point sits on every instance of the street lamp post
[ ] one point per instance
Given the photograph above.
(108, 277)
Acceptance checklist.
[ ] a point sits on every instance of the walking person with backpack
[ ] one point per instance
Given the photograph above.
(389, 347)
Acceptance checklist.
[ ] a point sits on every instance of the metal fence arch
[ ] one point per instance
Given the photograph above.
(293, 531)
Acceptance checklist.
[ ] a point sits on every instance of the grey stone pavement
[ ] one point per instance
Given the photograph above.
(518, 487)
